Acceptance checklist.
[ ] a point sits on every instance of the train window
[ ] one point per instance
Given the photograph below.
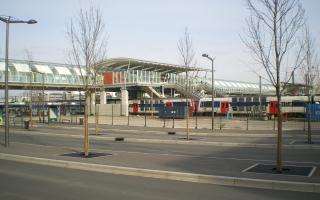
(208, 103)
(202, 104)
(248, 99)
(234, 100)
(241, 108)
(241, 99)
(248, 108)
(235, 108)
(161, 101)
(180, 103)
(288, 104)
(283, 104)
(255, 99)
(277, 105)
(227, 105)
(297, 103)
(222, 105)
(264, 99)
(156, 101)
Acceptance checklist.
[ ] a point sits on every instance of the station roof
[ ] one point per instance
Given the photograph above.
(123, 64)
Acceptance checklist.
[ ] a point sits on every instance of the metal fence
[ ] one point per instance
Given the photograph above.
(250, 119)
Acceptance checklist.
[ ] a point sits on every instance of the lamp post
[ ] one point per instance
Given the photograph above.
(8, 21)
(212, 60)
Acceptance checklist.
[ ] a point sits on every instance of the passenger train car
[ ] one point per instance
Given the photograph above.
(237, 105)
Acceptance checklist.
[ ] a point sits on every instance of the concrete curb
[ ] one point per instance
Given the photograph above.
(182, 133)
(179, 176)
(223, 144)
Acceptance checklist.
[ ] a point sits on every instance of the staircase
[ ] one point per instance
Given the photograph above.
(150, 90)
(207, 87)
(182, 89)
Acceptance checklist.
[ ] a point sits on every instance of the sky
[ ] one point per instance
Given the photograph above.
(147, 30)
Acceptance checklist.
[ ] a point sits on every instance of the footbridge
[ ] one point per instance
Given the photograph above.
(133, 78)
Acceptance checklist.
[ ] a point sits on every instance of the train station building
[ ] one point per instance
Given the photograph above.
(133, 78)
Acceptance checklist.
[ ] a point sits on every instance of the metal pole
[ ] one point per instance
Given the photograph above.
(173, 119)
(7, 88)
(212, 60)
(247, 119)
(112, 115)
(196, 118)
(43, 95)
(145, 116)
(260, 97)
(128, 115)
(164, 118)
(309, 113)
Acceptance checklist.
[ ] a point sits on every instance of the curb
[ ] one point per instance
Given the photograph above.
(183, 133)
(224, 144)
(169, 175)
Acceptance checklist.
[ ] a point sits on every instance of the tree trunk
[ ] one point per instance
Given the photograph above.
(86, 128)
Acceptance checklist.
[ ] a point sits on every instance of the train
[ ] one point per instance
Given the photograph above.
(237, 105)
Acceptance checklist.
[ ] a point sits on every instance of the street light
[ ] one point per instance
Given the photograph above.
(212, 60)
(8, 21)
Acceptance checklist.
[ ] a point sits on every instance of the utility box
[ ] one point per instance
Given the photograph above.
(81, 120)
(174, 112)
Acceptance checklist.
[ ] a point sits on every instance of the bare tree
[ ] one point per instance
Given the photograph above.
(88, 42)
(270, 34)
(309, 67)
(187, 59)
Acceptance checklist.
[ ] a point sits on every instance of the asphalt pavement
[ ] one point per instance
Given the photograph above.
(214, 156)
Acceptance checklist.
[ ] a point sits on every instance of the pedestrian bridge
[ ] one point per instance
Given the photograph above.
(123, 73)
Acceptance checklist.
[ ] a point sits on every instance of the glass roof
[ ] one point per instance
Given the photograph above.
(3, 66)
(63, 71)
(80, 73)
(21, 67)
(43, 69)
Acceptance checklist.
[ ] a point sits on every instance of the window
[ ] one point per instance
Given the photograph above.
(208, 104)
(241, 108)
(263, 99)
(234, 100)
(222, 105)
(248, 99)
(241, 99)
(235, 108)
(255, 99)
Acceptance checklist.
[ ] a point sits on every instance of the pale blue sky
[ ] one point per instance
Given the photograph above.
(144, 29)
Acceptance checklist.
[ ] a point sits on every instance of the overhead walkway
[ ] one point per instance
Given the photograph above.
(121, 73)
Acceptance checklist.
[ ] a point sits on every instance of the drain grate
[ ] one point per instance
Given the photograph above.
(286, 170)
(171, 133)
(119, 139)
